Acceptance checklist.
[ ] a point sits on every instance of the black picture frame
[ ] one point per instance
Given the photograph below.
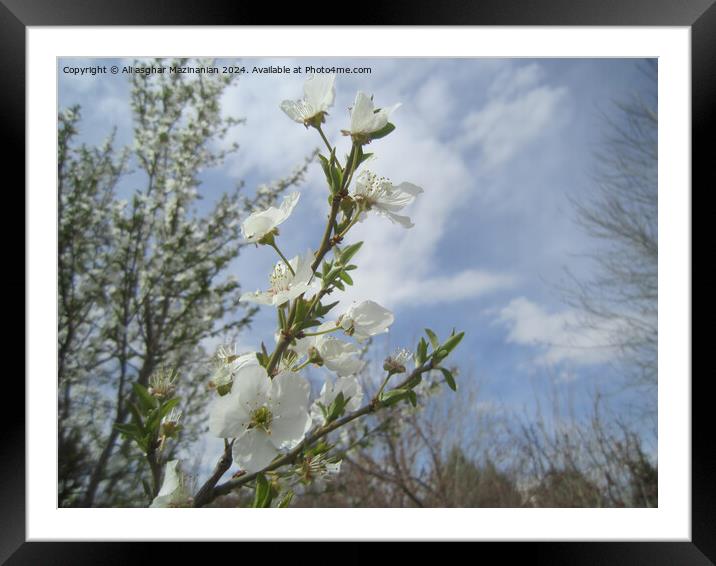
(699, 15)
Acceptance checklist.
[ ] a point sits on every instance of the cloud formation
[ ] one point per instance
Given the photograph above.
(557, 336)
(519, 109)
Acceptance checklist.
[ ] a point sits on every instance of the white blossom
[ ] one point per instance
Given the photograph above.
(174, 491)
(337, 355)
(379, 194)
(259, 224)
(228, 363)
(162, 383)
(319, 92)
(284, 285)
(398, 362)
(365, 319)
(264, 415)
(365, 119)
(348, 385)
(318, 469)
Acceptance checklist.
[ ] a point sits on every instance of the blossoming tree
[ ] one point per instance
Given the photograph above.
(274, 435)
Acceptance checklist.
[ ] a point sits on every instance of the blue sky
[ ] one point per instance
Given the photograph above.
(498, 145)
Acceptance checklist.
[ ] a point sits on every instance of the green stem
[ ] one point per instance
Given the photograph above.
(303, 365)
(325, 140)
(335, 207)
(322, 332)
(283, 257)
(283, 341)
(352, 223)
(385, 382)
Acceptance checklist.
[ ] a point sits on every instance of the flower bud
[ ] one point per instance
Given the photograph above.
(314, 356)
(392, 366)
(162, 384)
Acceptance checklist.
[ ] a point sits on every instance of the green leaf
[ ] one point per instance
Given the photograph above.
(413, 398)
(340, 285)
(326, 166)
(146, 401)
(449, 379)
(136, 416)
(300, 308)
(286, 499)
(337, 177)
(422, 352)
(433, 338)
(128, 431)
(262, 494)
(347, 278)
(336, 408)
(394, 396)
(363, 157)
(322, 310)
(332, 274)
(451, 343)
(348, 253)
(384, 131)
(309, 324)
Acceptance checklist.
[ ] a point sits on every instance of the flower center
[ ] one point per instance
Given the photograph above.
(280, 279)
(261, 418)
(377, 188)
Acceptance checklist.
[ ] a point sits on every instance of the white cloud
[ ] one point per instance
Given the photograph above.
(518, 111)
(399, 266)
(559, 336)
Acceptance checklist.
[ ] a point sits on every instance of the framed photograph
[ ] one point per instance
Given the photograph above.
(402, 278)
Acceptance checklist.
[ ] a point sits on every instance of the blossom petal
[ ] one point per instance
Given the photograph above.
(320, 91)
(289, 407)
(258, 224)
(173, 492)
(252, 387)
(339, 356)
(367, 318)
(227, 417)
(404, 221)
(288, 430)
(254, 450)
(259, 297)
(399, 197)
(296, 110)
(288, 204)
(289, 394)
(363, 119)
(171, 478)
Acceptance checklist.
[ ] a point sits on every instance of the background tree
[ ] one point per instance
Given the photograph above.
(622, 294)
(468, 454)
(142, 282)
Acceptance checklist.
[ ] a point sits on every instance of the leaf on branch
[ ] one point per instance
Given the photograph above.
(433, 338)
(262, 494)
(449, 379)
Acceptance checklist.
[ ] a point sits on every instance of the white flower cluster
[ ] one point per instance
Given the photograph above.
(264, 402)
